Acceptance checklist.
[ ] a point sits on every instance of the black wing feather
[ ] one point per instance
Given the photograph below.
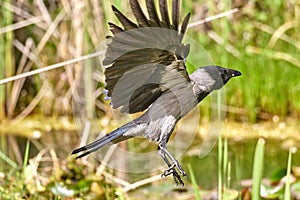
(127, 24)
(185, 24)
(164, 13)
(138, 13)
(146, 58)
(114, 28)
(175, 14)
(154, 19)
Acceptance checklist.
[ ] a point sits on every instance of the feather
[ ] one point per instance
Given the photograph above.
(127, 24)
(175, 14)
(143, 97)
(185, 24)
(154, 19)
(138, 13)
(114, 28)
(146, 58)
(116, 135)
(164, 12)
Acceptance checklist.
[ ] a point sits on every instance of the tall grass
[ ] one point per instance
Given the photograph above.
(6, 69)
(7, 59)
(247, 41)
(258, 164)
(88, 71)
(287, 189)
(194, 183)
(261, 43)
(220, 150)
(2, 64)
(263, 88)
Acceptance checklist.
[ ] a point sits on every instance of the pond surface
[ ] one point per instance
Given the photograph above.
(240, 156)
(242, 139)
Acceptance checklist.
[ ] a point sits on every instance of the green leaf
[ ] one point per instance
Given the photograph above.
(258, 168)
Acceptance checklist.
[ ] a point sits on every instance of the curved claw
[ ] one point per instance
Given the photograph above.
(178, 166)
(176, 176)
(169, 171)
(168, 158)
(177, 179)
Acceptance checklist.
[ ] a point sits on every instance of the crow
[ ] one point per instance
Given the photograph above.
(147, 73)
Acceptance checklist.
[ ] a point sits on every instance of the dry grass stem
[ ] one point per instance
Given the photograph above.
(211, 18)
(282, 36)
(218, 39)
(44, 11)
(274, 54)
(141, 183)
(51, 29)
(16, 149)
(32, 105)
(78, 28)
(18, 85)
(280, 31)
(23, 14)
(51, 67)
(16, 10)
(21, 24)
(115, 179)
(26, 53)
(105, 160)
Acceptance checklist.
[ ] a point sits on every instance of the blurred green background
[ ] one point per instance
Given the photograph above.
(261, 40)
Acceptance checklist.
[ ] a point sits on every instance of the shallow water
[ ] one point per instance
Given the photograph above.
(242, 139)
(240, 156)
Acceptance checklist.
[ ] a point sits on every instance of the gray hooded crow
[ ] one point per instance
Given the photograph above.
(147, 72)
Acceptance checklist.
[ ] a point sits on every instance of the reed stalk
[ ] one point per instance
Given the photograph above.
(258, 166)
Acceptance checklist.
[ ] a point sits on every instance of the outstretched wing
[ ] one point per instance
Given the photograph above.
(145, 58)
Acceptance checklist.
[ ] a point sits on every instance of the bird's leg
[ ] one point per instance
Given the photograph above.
(171, 169)
(174, 161)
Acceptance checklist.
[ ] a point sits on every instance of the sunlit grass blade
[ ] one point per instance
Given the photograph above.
(228, 175)
(88, 70)
(258, 168)
(119, 194)
(26, 155)
(194, 183)
(8, 160)
(238, 174)
(287, 189)
(225, 162)
(220, 168)
(2, 89)
(7, 67)
(220, 149)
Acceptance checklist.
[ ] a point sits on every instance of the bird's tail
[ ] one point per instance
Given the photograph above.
(115, 136)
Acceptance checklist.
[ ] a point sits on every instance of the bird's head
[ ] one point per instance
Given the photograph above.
(226, 74)
(211, 78)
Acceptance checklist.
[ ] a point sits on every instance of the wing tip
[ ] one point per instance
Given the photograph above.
(82, 155)
(114, 8)
(185, 23)
(79, 150)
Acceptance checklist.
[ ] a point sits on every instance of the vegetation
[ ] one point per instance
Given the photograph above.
(256, 40)
(260, 38)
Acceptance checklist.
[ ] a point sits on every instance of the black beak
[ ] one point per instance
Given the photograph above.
(235, 73)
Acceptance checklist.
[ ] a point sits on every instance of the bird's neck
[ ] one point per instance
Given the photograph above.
(201, 96)
(200, 91)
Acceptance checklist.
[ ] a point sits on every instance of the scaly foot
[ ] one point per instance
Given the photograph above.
(176, 176)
